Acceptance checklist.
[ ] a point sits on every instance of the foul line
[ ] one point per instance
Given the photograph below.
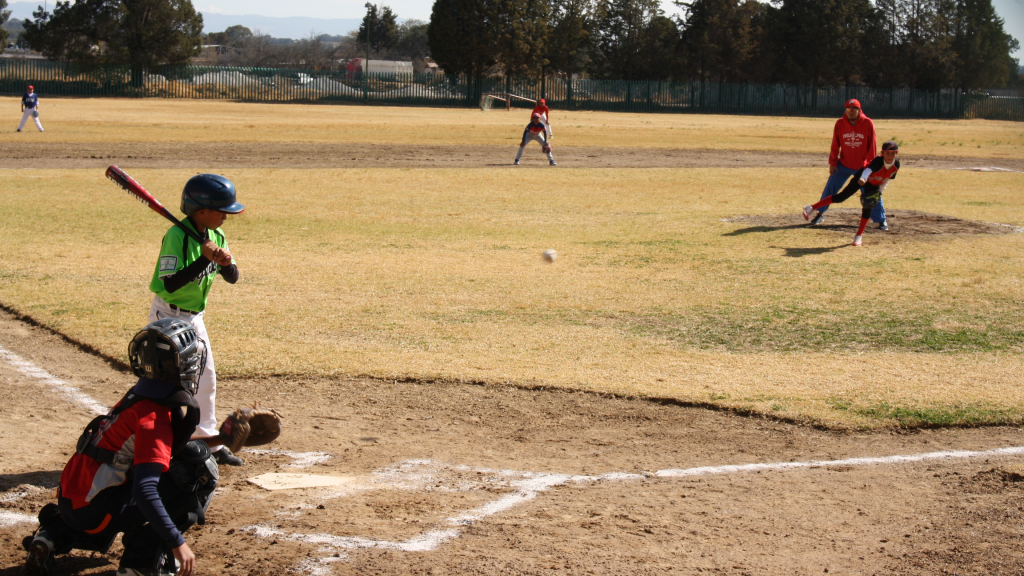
(70, 393)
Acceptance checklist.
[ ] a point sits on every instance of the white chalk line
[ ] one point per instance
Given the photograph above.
(525, 486)
(70, 393)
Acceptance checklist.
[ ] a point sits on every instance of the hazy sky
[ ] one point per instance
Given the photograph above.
(1012, 11)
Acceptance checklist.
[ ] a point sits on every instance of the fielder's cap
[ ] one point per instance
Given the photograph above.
(535, 115)
(30, 87)
(543, 101)
(853, 103)
(890, 145)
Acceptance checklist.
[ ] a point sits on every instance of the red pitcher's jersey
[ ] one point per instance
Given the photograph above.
(853, 144)
(876, 175)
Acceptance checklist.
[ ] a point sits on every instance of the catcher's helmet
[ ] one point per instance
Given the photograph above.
(169, 349)
(211, 191)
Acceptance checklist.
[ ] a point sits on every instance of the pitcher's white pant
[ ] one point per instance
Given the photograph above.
(532, 138)
(206, 396)
(24, 118)
(547, 124)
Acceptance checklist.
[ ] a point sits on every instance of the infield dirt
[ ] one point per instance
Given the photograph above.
(426, 453)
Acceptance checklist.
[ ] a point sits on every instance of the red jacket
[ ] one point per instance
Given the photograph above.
(855, 145)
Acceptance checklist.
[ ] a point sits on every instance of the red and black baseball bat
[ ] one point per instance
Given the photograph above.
(129, 184)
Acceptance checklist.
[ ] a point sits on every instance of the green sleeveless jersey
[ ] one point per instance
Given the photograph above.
(177, 252)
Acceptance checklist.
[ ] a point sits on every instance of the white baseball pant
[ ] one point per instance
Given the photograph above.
(206, 396)
(533, 138)
(547, 124)
(24, 118)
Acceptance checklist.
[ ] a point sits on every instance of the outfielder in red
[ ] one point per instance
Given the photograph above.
(853, 146)
(871, 181)
(542, 109)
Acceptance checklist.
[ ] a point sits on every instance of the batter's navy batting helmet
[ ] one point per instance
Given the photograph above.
(211, 191)
(168, 349)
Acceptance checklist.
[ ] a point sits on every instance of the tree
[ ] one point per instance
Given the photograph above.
(719, 37)
(232, 36)
(382, 27)
(570, 35)
(520, 28)
(633, 41)
(982, 46)
(4, 15)
(412, 40)
(459, 36)
(820, 41)
(142, 34)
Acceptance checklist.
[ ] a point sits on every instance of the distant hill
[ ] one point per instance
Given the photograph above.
(292, 27)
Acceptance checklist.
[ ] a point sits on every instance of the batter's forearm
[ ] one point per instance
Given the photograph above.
(230, 273)
(176, 281)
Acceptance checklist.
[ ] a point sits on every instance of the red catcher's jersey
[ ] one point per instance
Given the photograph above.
(142, 434)
(853, 144)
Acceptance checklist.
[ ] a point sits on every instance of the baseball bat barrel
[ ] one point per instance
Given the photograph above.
(123, 180)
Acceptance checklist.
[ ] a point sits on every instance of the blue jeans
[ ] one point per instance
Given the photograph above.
(835, 185)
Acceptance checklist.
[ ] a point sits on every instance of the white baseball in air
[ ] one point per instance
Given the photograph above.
(550, 256)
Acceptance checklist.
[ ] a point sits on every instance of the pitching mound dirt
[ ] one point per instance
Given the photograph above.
(902, 224)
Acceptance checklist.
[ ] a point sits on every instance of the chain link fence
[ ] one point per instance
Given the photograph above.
(280, 85)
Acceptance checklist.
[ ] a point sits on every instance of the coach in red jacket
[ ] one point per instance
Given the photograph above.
(854, 145)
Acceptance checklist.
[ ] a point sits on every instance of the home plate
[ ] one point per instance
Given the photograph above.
(276, 481)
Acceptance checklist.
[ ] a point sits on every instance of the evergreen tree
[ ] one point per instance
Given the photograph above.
(982, 46)
(629, 39)
(459, 36)
(570, 35)
(383, 28)
(142, 34)
(719, 37)
(521, 31)
(820, 41)
(4, 15)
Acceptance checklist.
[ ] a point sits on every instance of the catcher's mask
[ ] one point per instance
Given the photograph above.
(169, 349)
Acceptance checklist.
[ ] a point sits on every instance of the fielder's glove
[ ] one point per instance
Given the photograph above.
(250, 426)
(546, 147)
(35, 113)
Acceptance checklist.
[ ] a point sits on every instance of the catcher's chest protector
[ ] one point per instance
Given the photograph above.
(184, 419)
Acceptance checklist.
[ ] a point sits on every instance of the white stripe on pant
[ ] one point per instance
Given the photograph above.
(533, 138)
(24, 118)
(206, 397)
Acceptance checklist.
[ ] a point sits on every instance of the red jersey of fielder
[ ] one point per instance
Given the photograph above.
(542, 109)
(853, 144)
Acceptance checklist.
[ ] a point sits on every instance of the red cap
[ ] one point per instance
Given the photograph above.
(853, 103)
(535, 115)
(542, 101)
(31, 88)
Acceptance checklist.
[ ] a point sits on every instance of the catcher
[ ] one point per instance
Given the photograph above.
(140, 469)
(536, 131)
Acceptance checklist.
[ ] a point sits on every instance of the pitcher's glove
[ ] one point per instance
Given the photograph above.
(250, 426)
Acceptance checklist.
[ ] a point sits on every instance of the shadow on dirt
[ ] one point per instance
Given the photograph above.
(43, 479)
(754, 229)
(70, 565)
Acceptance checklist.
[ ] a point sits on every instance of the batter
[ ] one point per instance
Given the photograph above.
(184, 276)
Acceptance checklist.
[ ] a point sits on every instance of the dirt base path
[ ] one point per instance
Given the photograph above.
(339, 155)
(460, 479)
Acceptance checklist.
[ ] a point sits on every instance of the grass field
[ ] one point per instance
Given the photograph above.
(436, 274)
(126, 120)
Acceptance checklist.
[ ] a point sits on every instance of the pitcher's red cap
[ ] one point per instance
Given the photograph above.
(853, 103)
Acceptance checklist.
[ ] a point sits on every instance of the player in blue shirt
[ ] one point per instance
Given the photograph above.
(30, 107)
(535, 131)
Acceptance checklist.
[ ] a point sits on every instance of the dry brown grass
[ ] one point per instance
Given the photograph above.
(138, 120)
(437, 274)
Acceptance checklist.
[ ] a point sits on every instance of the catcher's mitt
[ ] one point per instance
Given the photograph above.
(546, 147)
(250, 426)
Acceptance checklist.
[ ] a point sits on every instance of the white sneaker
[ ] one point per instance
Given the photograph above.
(40, 556)
(808, 210)
(516, 163)
(553, 163)
(857, 239)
